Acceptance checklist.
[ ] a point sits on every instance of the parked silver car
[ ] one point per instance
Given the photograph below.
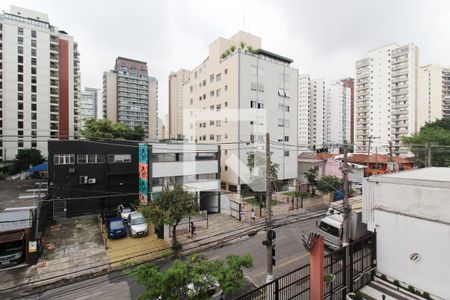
(137, 225)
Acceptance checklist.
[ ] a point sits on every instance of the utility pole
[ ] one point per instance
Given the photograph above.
(391, 158)
(345, 171)
(428, 155)
(269, 244)
(368, 154)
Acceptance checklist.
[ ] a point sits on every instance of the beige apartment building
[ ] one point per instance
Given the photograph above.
(130, 96)
(236, 95)
(176, 82)
(434, 94)
(386, 98)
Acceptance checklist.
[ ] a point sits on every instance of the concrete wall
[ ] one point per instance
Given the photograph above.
(164, 169)
(399, 236)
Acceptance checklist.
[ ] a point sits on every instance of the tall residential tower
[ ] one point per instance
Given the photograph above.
(386, 98)
(234, 97)
(88, 106)
(130, 96)
(39, 82)
(176, 82)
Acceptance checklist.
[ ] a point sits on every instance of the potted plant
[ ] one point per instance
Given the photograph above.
(328, 279)
(355, 296)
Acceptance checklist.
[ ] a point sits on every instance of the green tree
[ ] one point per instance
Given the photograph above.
(193, 278)
(24, 158)
(257, 182)
(329, 184)
(311, 176)
(105, 129)
(170, 207)
(436, 135)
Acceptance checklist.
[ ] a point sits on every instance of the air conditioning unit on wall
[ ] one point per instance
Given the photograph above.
(83, 179)
(91, 180)
(71, 170)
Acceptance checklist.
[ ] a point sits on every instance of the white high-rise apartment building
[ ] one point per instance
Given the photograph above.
(324, 112)
(337, 111)
(39, 82)
(130, 96)
(234, 97)
(304, 86)
(386, 98)
(88, 104)
(176, 82)
(434, 94)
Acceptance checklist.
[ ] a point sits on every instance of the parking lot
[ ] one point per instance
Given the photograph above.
(128, 249)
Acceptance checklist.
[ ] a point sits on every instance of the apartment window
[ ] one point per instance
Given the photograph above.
(286, 153)
(20, 59)
(211, 78)
(218, 123)
(20, 68)
(33, 52)
(259, 86)
(33, 144)
(33, 89)
(226, 87)
(20, 78)
(226, 168)
(218, 138)
(286, 138)
(119, 158)
(20, 105)
(191, 101)
(20, 133)
(252, 138)
(226, 104)
(281, 93)
(211, 93)
(191, 88)
(20, 144)
(226, 71)
(33, 80)
(20, 49)
(33, 33)
(33, 117)
(33, 43)
(226, 152)
(20, 115)
(211, 107)
(33, 125)
(218, 77)
(204, 96)
(226, 120)
(20, 40)
(19, 30)
(204, 82)
(218, 92)
(64, 159)
(20, 124)
(211, 137)
(34, 134)
(33, 70)
(33, 98)
(218, 107)
(33, 106)
(211, 122)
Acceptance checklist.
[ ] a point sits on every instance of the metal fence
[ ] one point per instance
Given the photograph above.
(235, 209)
(354, 263)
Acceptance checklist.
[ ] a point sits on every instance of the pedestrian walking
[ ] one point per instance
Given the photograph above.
(242, 213)
(253, 215)
(193, 230)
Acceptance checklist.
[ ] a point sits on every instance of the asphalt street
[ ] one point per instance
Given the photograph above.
(290, 255)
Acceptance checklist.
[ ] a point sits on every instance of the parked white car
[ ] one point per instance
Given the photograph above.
(125, 211)
(137, 225)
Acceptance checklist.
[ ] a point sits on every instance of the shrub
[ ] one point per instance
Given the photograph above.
(383, 277)
(396, 283)
(357, 295)
(426, 295)
(411, 289)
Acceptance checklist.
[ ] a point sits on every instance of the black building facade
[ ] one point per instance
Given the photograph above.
(86, 177)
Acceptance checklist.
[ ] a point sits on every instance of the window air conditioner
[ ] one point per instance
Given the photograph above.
(91, 180)
(83, 179)
(71, 170)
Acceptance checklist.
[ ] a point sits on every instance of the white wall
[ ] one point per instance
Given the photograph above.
(399, 236)
(165, 169)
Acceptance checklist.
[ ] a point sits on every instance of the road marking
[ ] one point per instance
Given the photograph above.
(287, 262)
(251, 280)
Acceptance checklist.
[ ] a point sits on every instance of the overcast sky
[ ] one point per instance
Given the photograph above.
(324, 38)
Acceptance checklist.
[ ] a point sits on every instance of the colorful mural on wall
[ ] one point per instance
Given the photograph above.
(143, 175)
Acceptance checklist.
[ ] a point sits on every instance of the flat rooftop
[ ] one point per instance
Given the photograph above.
(432, 177)
(10, 190)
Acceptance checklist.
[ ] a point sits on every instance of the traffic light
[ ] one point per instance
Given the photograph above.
(273, 255)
